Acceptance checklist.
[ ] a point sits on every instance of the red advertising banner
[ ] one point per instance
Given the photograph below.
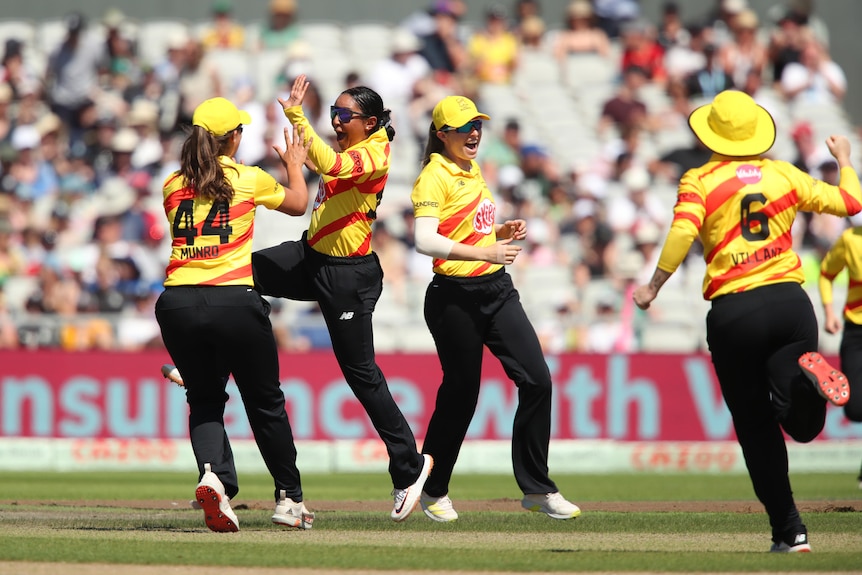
(637, 397)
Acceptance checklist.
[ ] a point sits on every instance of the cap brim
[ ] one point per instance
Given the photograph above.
(463, 118)
(244, 117)
(760, 142)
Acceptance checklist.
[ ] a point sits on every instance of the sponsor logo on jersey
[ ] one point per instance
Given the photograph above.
(483, 221)
(748, 174)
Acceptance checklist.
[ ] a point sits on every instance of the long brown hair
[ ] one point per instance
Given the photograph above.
(434, 145)
(199, 165)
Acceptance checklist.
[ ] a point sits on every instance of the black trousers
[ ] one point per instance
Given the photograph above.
(756, 338)
(347, 290)
(851, 364)
(211, 333)
(464, 315)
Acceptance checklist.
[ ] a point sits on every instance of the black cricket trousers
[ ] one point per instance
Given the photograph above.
(464, 314)
(212, 332)
(851, 364)
(347, 290)
(755, 338)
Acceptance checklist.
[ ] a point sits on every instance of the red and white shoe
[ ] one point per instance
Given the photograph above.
(829, 382)
(211, 497)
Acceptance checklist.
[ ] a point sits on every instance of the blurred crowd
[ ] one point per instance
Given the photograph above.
(91, 124)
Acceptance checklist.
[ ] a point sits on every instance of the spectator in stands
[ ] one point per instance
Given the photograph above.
(809, 151)
(720, 19)
(625, 107)
(680, 60)
(671, 30)
(254, 147)
(14, 71)
(581, 35)
(33, 178)
(815, 79)
(443, 48)
(745, 52)
(595, 237)
(7, 121)
(786, 41)
(72, 75)
(638, 206)
(641, 49)
(501, 150)
(708, 81)
(531, 35)
(11, 259)
(281, 28)
(223, 32)
(397, 78)
(493, 50)
(523, 10)
(119, 60)
(199, 80)
(143, 118)
(613, 15)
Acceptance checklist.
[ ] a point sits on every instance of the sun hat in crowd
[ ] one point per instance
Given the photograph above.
(733, 125)
(455, 111)
(219, 116)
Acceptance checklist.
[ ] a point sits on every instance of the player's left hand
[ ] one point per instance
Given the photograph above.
(514, 229)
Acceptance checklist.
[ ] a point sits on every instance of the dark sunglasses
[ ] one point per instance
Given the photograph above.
(466, 128)
(344, 114)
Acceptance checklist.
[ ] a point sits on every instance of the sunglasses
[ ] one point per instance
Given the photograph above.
(466, 128)
(344, 114)
(239, 129)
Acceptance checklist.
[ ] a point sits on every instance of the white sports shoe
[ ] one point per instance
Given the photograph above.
(551, 504)
(292, 514)
(407, 499)
(211, 497)
(172, 373)
(438, 508)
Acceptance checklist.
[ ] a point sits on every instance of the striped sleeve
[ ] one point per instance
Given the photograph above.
(688, 216)
(830, 267)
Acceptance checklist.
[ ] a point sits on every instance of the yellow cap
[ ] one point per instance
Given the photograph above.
(219, 116)
(733, 125)
(455, 111)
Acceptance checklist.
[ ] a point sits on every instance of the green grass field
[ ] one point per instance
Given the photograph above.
(144, 519)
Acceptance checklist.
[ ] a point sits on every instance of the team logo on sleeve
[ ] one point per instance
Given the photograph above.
(748, 174)
(483, 221)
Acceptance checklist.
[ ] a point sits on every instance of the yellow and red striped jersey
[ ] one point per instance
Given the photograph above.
(212, 240)
(351, 188)
(743, 210)
(845, 253)
(465, 207)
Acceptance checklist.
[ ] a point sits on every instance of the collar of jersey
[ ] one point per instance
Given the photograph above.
(454, 168)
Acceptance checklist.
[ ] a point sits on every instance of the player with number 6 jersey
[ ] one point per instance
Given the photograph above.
(761, 328)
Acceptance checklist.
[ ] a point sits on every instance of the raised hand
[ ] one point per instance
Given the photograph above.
(297, 92)
(295, 147)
